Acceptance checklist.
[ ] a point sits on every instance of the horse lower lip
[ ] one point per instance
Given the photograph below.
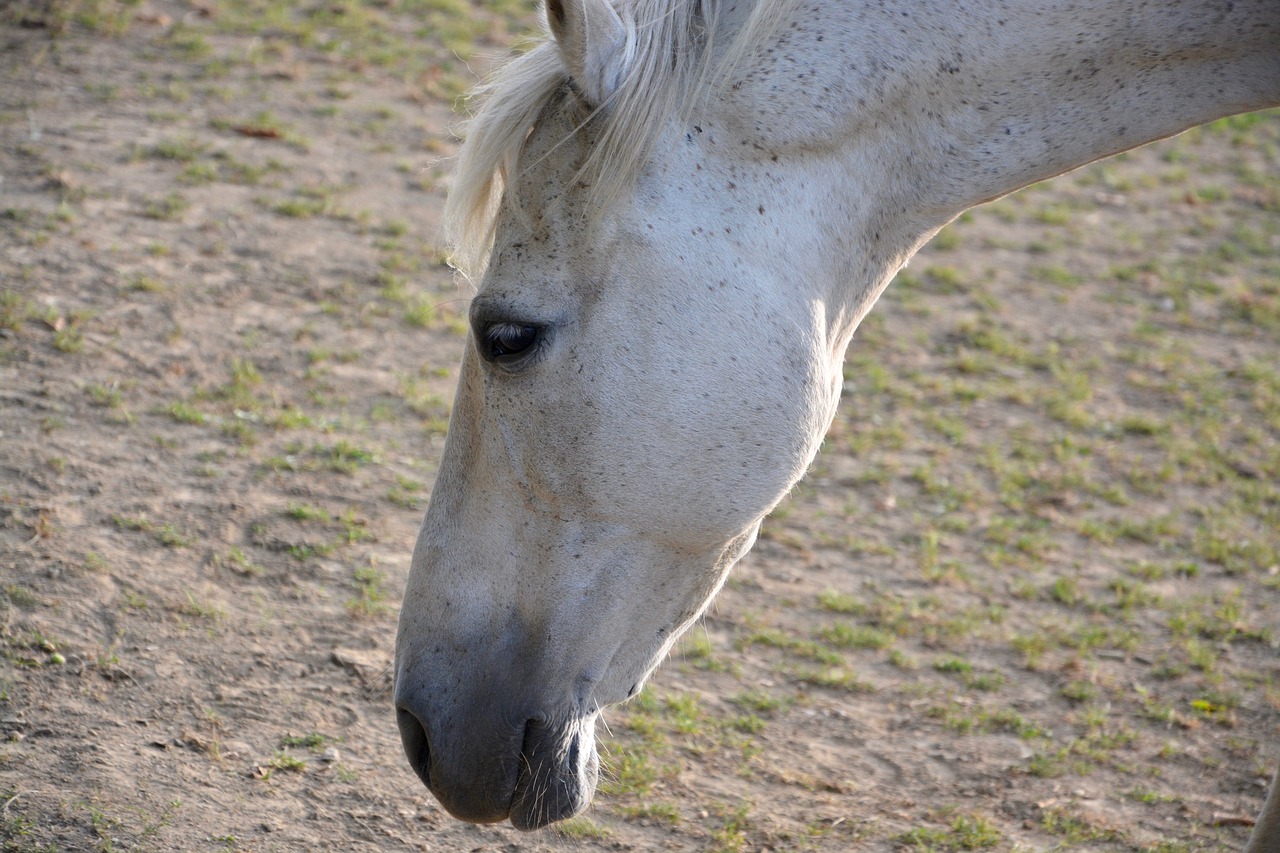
(559, 769)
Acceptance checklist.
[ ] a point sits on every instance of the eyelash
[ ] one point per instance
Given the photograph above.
(507, 342)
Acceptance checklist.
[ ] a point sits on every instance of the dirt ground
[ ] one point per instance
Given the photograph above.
(1028, 598)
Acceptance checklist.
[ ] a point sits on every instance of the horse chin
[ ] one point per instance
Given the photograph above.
(558, 773)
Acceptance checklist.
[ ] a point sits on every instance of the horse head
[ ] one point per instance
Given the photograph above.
(640, 387)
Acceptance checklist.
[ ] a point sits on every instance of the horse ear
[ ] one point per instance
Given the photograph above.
(593, 44)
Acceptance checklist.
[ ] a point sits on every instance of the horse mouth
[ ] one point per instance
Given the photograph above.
(545, 774)
(558, 773)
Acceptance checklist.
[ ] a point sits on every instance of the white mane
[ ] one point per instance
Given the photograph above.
(672, 66)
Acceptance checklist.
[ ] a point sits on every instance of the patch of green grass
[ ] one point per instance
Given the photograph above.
(407, 494)
(1053, 763)
(238, 561)
(282, 760)
(990, 680)
(684, 713)
(202, 609)
(135, 522)
(581, 828)
(944, 280)
(165, 534)
(1225, 538)
(13, 310)
(306, 512)
(975, 719)
(1217, 707)
(168, 208)
(199, 173)
(731, 835)
(345, 457)
(179, 150)
(902, 660)
(986, 336)
(947, 239)
(68, 332)
(15, 828)
(312, 741)
(626, 770)
(303, 552)
(290, 417)
(21, 596)
(760, 702)
(748, 724)
(302, 207)
(965, 832)
(188, 44)
(144, 283)
(805, 649)
(696, 649)
(1066, 590)
(185, 413)
(660, 812)
(1058, 276)
(1220, 618)
(170, 537)
(833, 677)
(1079, 691)
(354, 529)
(953, 664)
(1148, 796)
(844, 635)
(1074, 829)
(244, 379)
(371, 596)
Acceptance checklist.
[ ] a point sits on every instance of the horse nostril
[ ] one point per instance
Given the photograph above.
(413, 736)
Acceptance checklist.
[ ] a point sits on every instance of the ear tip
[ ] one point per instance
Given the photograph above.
(555, 13)
(593, 41)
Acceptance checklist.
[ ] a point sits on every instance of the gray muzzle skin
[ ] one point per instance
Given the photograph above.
(494, 767)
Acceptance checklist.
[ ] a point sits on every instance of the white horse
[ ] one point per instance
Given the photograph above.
(681, 211)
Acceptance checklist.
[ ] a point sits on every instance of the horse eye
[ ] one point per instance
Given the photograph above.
(502, 340)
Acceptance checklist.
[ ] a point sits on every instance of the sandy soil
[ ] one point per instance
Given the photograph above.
(1027, 599)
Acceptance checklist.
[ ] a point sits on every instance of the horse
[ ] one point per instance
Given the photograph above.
(678, 212)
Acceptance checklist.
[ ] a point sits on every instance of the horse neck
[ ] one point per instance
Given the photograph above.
(898, 117)
(1053, 86)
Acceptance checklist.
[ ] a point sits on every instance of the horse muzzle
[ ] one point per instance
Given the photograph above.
(484, 769)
